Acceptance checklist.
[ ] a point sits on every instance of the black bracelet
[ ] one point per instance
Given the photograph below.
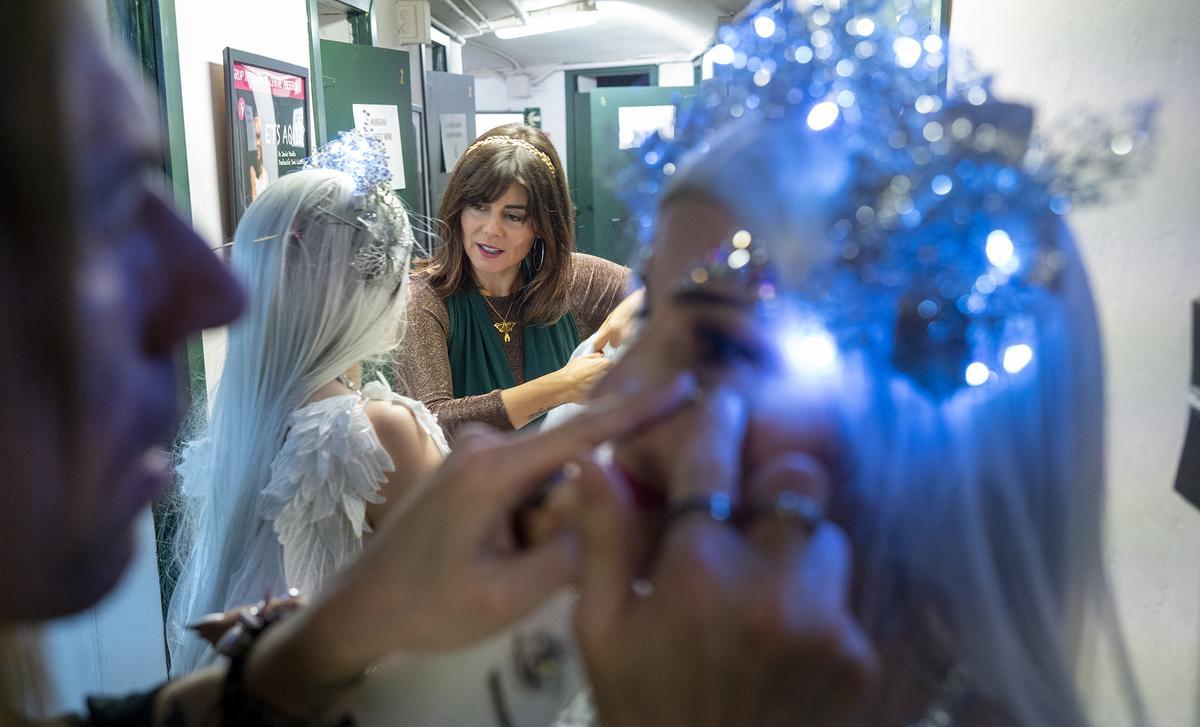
(239, 707)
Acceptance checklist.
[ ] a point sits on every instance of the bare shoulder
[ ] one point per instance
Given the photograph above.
(399, 431)
(412, 451)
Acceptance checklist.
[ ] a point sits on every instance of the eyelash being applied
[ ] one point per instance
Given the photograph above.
(718, 348)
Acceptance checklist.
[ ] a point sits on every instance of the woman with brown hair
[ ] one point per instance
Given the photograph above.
(496, 313)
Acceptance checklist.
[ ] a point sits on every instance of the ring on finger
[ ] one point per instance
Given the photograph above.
(717, 506)
(789, 507)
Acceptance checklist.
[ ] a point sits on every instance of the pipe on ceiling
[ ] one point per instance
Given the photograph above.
(444, 29)
(499, 54)
(483, 18)
(520, 11)
(450, 4)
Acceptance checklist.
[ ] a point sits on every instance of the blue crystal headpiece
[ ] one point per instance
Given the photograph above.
(386, 248)
(945, 239)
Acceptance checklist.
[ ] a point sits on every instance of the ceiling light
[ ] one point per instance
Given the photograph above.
(549, 24)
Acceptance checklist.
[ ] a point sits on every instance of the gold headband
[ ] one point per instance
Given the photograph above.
(510, 141)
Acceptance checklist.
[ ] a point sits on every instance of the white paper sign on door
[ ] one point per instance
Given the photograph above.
(454, 139)
(382, 121)
(635, 123)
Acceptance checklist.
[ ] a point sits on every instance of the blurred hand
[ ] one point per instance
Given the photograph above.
(220, 628)
(580, 375)
(443, 570)
(620, 323)
(740, 628)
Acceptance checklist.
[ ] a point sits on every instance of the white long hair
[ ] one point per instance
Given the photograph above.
(976, 520)
(311, 317)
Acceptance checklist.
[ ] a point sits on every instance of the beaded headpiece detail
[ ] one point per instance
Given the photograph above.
(946, 237)
(386, 249)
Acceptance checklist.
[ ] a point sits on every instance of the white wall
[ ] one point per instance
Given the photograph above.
(548, 92)
(1144, 257)
(491, 94)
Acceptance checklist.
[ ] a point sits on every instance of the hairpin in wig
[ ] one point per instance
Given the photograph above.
(387, 243)
(944, 239)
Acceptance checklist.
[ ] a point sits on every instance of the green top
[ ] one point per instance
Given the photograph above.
(477, 361)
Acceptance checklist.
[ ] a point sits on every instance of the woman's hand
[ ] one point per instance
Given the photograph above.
(620, 322)
(571, 384)
(741, 627)
(580, 375)
(442, 570)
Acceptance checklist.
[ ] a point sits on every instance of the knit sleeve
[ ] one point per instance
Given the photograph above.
(423, 367)
(597, 287)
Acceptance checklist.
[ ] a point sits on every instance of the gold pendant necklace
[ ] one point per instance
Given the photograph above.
(505, 326)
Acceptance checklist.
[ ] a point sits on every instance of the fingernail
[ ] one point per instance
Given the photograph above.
(206, 620)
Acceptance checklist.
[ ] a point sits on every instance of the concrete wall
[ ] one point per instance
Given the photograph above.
(1144, 255)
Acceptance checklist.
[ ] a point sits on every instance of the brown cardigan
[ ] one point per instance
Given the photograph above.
(423, 364)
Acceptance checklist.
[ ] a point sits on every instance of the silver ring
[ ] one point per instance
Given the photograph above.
(718, 506)
(790, 507)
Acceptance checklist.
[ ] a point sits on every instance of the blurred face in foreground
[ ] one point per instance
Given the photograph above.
(144, 282)
(721, 330)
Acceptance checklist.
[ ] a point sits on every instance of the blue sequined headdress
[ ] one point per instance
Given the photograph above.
(386, 248)
(945, 236)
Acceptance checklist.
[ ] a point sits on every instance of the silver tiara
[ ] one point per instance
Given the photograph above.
(387, 245)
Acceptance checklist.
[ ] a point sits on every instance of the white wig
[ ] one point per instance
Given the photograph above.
(312, 315)
(976, 519)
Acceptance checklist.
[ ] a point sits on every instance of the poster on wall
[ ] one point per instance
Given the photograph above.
(382, 121)
(267, 102)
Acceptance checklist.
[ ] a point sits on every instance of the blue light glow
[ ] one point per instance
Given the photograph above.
(1017, 357)
(721, 54)
(823, 115)
(999, 249)
(764, 26)
(864, 26)
(977, 374)
(809, 350)
(907, 50)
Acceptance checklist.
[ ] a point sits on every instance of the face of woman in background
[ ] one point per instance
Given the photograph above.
(722, 333)
(258, 139)
(498, 235)
(145, 281)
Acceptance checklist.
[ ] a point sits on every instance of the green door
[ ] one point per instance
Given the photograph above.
(601, 129)
(355, 74)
